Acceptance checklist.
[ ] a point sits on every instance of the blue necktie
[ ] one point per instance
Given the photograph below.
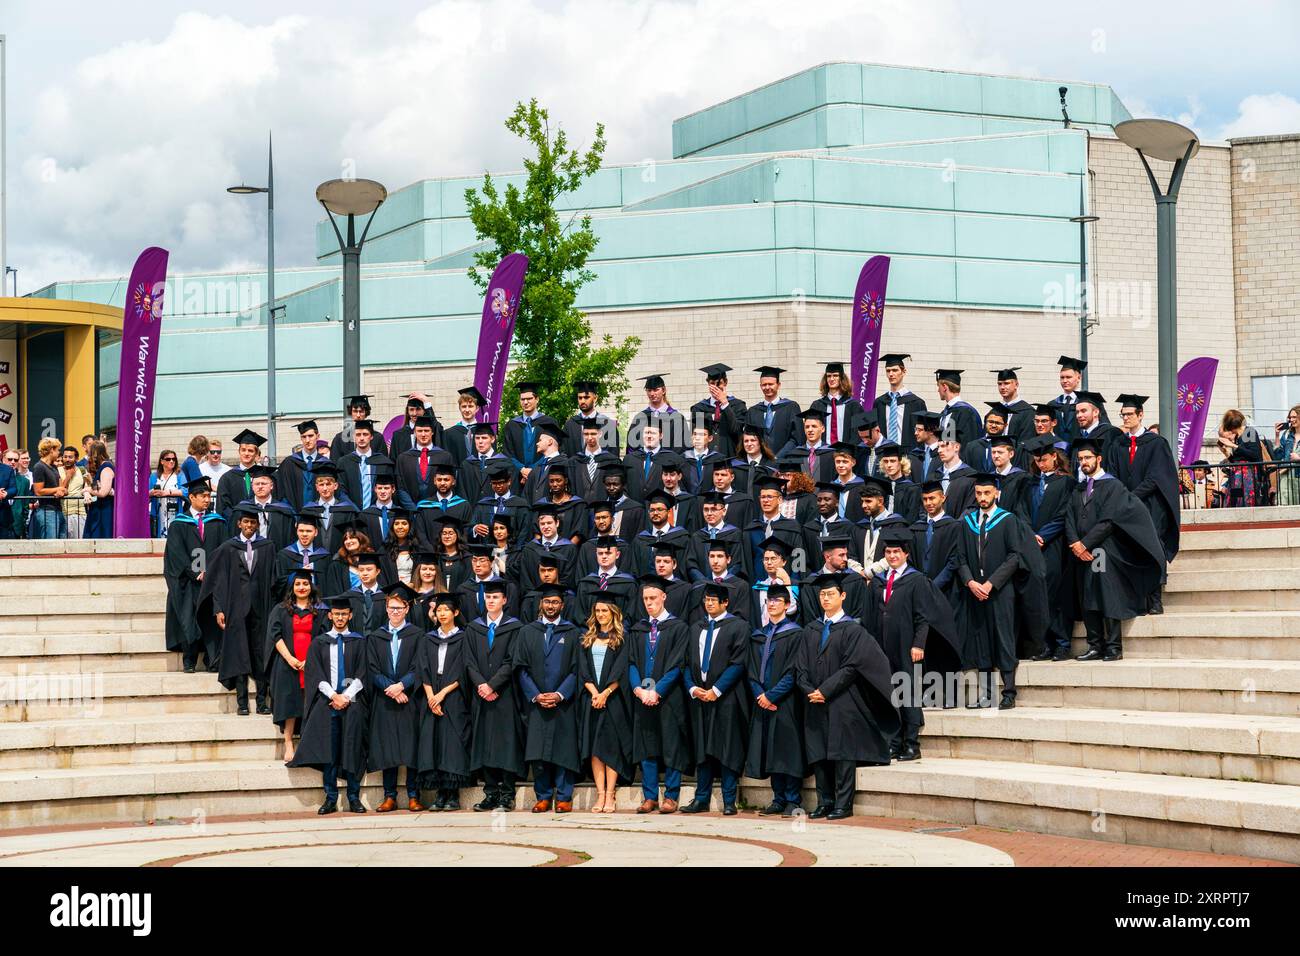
(1038, 498)
(768, 416)
(383, 523)
(925, 463)
(708, 648)
(649, 463)
(492, 635)
(342, 677)
(826, 635)
(699, 470)
(481, 606)
(893, 417)
(550, 636)
(929, 539)
(530, 442)
(307, 479)
(369, 599)
(397, 648)
(365, 483)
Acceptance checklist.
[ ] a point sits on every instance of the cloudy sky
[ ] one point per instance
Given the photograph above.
(127, 120)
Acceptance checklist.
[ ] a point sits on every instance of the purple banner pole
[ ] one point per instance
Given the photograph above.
(1195, 385)
(497, 328)
(141, 331)
(868, 320)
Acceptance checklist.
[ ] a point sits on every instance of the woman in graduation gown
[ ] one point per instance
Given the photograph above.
(776, 735)
(399, 548)
(605, 711)
(753, 459)
(453, 559)
(293, 623)
(340, 573)
(427, 586)
(394, 703)
(443, 751)
(505, 549)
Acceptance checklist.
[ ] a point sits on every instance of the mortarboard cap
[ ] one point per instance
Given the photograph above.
(325, 469)
(249, 437)
(769, 371)
(997, 408)
(1006, 374)
(308, 426)
(654, 581)
(768, 481)
(495, 586)
(483, 428)
(470, 391)
(358, 401)
(533, 387)
(550, 590)
(832, 542)
(424, 421)
(608, 541)
(878, 487)
(889, 449)
(1086, 444)
(1132, 401)
(339, 602)
(715, 590)
(1092, 398)
(400, 589)
(775, 544)
(1006, 440)
(261, 471)
(1040, 444)
(1077, 364)
(988, 478)
(198, 485)
(896, 537)
(368, 557)
(894, 358)
(951, 375)
(653, 381)
(660, 495)
(934, 484)
(586, 385)
(778, 592)
(479, 549)
(828, 579)
(1051, 409)
(716, 370)
(834, 367)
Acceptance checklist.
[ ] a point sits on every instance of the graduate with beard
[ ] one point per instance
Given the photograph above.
(391, 663)
(1118, 560)
(775, 731)
(1043, 509)
(193, 537)
(849, 718)
(498, 745)
(546, 662)
(335, 718)
(904, 610)
(1000, 571)
(934, 550)
(239, 585)
(587, 395)
(717, 647)
(660, 724)
(1144, 462)
(443, 749)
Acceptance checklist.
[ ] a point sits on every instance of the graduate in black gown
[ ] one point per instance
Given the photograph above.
(719, 572)
(548, 541)
(835, 559)
(443, 751)
(1071, 377)
(359, 466)
(587, 396)
(1118, 560)
(1013, 481)
(905, 611)
(934, 550)
(458, 439)
(239, 586)
(294, 477)
(897, 407)
(497, 500)
(776, 729)
(391, 664)
(237, 483)
(498, 743)
(605, 710)
(717, 647)
(1090, 422)
(304, 552)
(192, 539)
(1019, 414)
(335, 719)
(1143, 460)
(667, 559)
(777, 415)
(546, 662)
(293, 624)
(724, 412)
(716, 528)
(344, 442)
(849, 719)
(608, 580)
(474, 475)
(548, 574)
(1043, 509)
(959, 420)
(275, 518)
(661, 741)
(1000, 570)
(958, 480)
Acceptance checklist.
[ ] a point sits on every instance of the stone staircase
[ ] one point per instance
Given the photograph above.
(1192, 741)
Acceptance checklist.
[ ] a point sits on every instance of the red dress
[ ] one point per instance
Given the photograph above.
(303, 624)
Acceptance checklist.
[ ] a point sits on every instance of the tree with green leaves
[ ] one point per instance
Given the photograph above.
(552, 341)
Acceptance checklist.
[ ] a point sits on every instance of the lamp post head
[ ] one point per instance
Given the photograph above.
(351, 197)
(242, 190)
(1159, 139)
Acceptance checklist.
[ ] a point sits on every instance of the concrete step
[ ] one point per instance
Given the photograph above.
(85, 589)
(45, 605)
(149, 615)
(1210, 634)
(1217, 816)
(1212, 517)
(1216, 746)
(67, 696)
(27, 548)
(1257, 587)
(86, 653)
(1249, 688)
(119, 741)
(1201, 540)
(65, 566)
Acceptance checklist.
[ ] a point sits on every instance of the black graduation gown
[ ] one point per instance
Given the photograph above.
(698, 554)
(720, 728)
(1013, 488)
(810, 607)
(629, 518)
(1115, 522)
(457, 442)
(341, 512)
(674, 428)
(404, 437)
(607, 733)
(786, 530)
(535, 487)
(639, 482)
(1152, 476)
(915, 612)
(787, 426)
(288, 560)
(862, 538)
(291, 480)
(280, 522)
(314, 748)
(1048, 522)
(287, 685)
(1106, 436)
(775, 737)
(814, 533)
(245, 598)
(521, 453)
(918, 456)
(906, 501)
(572, 515)
(231, 490)
(586, 561)
(852, 412)
(697, 472)
(641, 557)
(512, 506)
(823, 460)
(468, 593)
(443, 750)
(350, 475)
(960, 496)
(1013, 562)
(497, 738)
(563, 550)
(661, 732)
(909, 406)
(965, 421)
(978, 453)
(551, 733)
(394, 727)
(185, 625)
(572, 443)
(743, 474)
(408, 475)
(858, 720)
(472, 481)
(622, 588)
(1021, 425)
(424, 523)
(938, 560)
(341, 445)
(587, 487)
(677, 599)
(738, 600)
(728, 425)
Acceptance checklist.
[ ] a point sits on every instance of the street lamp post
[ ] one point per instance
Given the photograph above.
(1085, 321)
(269, 189)
(351, 198)
(14, 270)
(1173, 143)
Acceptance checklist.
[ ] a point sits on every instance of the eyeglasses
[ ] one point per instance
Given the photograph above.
(215, 451)
(169, 458)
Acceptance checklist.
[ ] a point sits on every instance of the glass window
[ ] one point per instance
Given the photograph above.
(1272, 396)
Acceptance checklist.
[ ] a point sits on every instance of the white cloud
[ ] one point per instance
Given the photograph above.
(1264, 114)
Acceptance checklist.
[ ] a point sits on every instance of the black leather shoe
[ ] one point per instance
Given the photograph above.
(487, 803)
(792, 810)
(772, 809)
(189, 668)
(838, 814)
(1007, 702)
(451, 803)
(1155, 605)
(213, 668)
(356, 806)
(1043, 655)
(695, 806)
(1091, 655)
(1061, 654)
(729, 810)
(819, 811)
(263, 708)
(506, 805)
(329, 806)
(911, 753)
(243, 710)
(1113, 657)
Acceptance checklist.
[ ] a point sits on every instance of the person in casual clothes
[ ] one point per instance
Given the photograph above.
(50, 490)
(74, 503)
(21, 462)
(99, 506)
(164, 493)
(197, 452)
(212, 465)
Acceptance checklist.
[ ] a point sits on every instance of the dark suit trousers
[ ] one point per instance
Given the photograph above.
(835, 783)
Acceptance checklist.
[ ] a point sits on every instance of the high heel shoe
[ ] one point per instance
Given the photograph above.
(611, 802)
(599, 805)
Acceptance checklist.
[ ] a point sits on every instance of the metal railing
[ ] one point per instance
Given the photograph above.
(1239, 484)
